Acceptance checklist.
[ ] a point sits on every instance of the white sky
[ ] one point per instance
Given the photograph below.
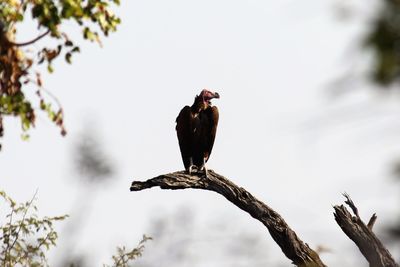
(281, 135)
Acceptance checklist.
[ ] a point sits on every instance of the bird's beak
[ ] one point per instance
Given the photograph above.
(216, 95)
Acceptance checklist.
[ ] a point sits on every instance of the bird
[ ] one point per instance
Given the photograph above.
(196, 127)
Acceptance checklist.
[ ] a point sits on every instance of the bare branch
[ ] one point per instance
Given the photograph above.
(372, 221)
(294, 249)
(31, 41)
(351, 204)
(370, 246)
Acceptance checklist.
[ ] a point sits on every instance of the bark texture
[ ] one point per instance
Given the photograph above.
(370, 246)
(296, 250)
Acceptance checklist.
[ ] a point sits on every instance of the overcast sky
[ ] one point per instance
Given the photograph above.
(282, 134)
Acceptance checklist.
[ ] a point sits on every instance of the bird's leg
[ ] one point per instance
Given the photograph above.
(190, 170)
(205, 168)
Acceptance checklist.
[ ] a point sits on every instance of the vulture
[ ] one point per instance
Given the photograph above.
(196, 127)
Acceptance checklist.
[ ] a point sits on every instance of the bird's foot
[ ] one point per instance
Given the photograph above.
(190, 169)
(204, 168)
(205, 171)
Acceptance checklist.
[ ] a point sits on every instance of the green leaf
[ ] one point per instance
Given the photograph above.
(68, 57)
(50, 68)
(25, 136)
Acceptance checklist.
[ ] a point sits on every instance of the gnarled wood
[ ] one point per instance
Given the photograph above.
(370, 246)
(294, 249)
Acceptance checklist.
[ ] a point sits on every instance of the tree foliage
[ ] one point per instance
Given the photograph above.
(383, 39)
(124, 257)
(19, 61)
(25, 238)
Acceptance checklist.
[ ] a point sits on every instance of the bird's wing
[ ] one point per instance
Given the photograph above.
(185, 135)
(212, 116)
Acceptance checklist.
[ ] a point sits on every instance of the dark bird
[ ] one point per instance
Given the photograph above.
(196, 127)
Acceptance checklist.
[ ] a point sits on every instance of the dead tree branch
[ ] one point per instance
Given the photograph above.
(370, 246)
(294, 249)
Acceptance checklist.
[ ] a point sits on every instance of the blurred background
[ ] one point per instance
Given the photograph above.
(309, 109)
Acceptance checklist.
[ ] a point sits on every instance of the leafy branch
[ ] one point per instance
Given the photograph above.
(19, 61)
(124, 257)
(24, 237)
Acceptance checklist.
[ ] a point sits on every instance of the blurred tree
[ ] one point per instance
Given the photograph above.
(384, 40)
(19, 61)
(90, 160)
(94, 167)
(180, 240)
(394, 230)
(122, 258)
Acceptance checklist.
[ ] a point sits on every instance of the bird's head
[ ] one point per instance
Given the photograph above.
(207, 95)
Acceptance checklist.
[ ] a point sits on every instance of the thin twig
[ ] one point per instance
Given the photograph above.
(9, 234)
(372, 221)
(31, 41)
(351, 204)
(22, 221)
